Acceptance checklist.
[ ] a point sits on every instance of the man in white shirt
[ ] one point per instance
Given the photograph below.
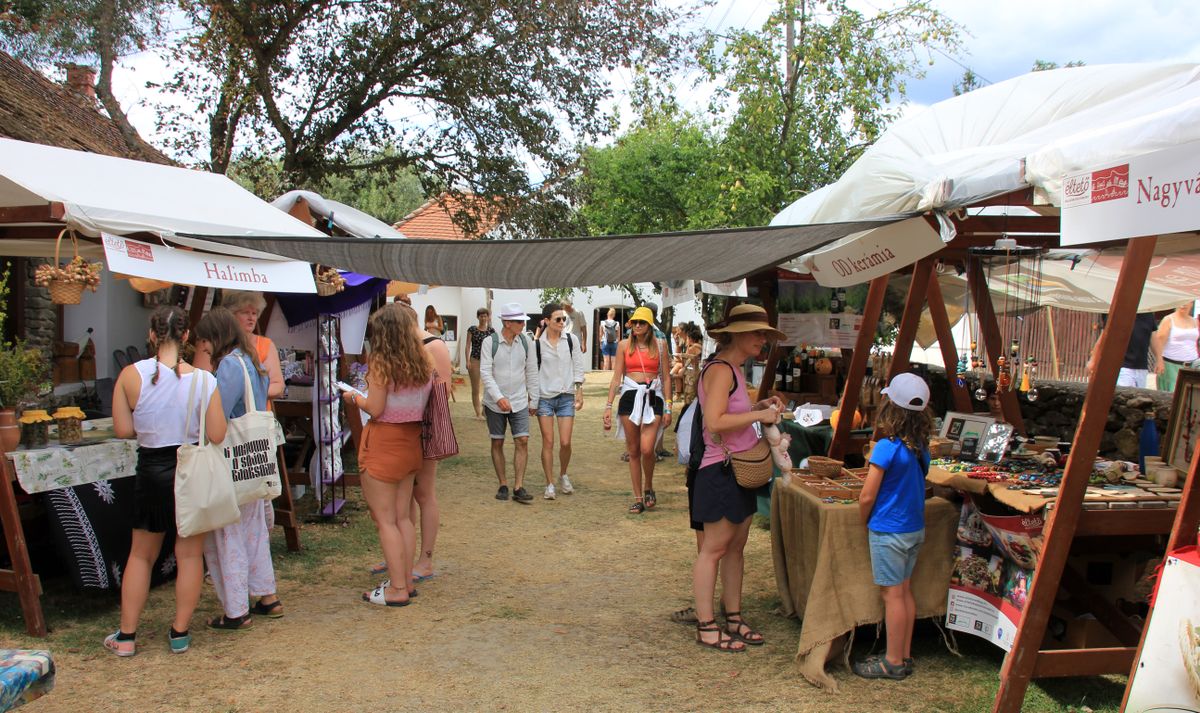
(560, 380)
(508, 370)
(576, 325)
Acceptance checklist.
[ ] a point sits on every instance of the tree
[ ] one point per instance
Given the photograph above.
(99, 32)
(969, 83)
(797, 125)
(1041, 65)
(318, 84)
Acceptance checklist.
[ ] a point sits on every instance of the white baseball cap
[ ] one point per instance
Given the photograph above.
(513, 311)
(908, 391)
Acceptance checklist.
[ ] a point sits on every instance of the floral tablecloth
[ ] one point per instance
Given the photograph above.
(25, 675)
(44, 469)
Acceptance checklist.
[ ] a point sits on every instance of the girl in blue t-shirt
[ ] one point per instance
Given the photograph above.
(892, 506)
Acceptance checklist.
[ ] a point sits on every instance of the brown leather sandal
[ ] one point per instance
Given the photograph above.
(741, 630)
(724, 641)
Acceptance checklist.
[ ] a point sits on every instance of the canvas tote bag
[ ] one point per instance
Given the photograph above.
(250, 449)
(437, 431)
(204, 496)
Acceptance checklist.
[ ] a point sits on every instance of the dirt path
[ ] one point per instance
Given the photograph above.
(557, 606)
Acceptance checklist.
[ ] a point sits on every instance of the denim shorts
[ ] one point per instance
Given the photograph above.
(561, 405)
(518, 421)
(608, 349)
(894, 555)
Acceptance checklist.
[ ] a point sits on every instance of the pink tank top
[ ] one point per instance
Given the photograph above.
(405, 405)
(739, 402)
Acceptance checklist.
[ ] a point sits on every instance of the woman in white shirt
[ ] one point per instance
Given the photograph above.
(150, 403)
(1177, 337)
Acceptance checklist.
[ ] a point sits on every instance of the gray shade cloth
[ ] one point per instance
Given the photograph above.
(714, 255)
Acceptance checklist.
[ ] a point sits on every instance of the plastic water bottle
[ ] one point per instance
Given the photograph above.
(1147, 441)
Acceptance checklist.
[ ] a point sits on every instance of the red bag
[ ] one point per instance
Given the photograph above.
(437, 431)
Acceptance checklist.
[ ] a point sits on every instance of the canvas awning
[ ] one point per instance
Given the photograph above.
(47, 187)
(713, 255)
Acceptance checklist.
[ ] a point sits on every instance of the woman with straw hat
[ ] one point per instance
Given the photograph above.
(642, 373)
(718, 506)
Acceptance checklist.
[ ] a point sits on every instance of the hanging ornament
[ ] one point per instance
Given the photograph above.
(961, 375)
(981, 393)
(1032, 394)
(1003, 376)
(1025, 385)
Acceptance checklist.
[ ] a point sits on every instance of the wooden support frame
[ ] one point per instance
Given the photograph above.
(941, 326)
(1026, 661)
(990, 329)
(20, 578)
(858, 364)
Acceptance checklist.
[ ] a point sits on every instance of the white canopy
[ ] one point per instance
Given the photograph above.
(350, 220)
(1027, 131)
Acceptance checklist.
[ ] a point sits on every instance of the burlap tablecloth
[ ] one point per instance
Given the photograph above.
(823, 570)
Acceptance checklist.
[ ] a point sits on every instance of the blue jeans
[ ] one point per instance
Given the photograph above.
(561, 405)
(894, 555)
(608, 349)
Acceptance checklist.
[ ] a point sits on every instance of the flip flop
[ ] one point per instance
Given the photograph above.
(422, 577)
(377, 597)
(379, 569)
(226, 623)
(411, 593)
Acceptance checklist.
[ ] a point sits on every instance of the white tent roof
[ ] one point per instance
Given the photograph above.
(350, 220)
(121, 196)
(1027, 131)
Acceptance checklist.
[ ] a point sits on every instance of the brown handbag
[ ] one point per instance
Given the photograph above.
(437, 431)
(753, 467)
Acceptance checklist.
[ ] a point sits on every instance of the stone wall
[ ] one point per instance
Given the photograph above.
(41, 315)
(1057, 409)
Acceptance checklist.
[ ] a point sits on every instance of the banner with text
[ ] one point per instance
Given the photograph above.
(187, 267)
(868, 255)
(993, 569)
(1152, 194)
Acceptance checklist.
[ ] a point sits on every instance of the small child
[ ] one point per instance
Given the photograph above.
(892, 506)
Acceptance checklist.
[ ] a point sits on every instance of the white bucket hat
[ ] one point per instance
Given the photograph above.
(512, 311)
(908, 391)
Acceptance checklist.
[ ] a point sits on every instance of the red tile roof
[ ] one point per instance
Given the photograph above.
(35, 109)
(434, 219)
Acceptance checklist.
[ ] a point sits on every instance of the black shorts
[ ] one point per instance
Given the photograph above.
(625, 405)
(691, 491)
(154, 489)
(716, 495)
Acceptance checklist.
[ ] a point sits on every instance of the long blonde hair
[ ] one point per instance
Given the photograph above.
(651, 340)
(396, 351)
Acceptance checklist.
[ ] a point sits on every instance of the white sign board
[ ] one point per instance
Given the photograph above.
(873, 253)
(674, 293)
(1152, 194)
(821, 328)
(187, 267)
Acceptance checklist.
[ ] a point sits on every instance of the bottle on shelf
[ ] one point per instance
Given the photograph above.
(797, 370)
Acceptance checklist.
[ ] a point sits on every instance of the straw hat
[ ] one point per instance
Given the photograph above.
(745, 318)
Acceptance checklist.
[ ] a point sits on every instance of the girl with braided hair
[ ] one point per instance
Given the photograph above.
(150, 404)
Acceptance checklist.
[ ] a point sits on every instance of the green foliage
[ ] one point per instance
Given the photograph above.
(43, 33)
(22, 369)
(1041, 65)
(969, 83)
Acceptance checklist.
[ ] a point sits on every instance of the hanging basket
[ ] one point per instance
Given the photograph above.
(329, 281)
(66, 292)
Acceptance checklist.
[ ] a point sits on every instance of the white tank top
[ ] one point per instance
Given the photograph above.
(160, 414)
(1181, 343)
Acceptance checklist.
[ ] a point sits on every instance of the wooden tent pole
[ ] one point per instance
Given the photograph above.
(1061, 523)
(941, 325)
(990, 329)
(858, 365)
(914, 303)
(1053, 341)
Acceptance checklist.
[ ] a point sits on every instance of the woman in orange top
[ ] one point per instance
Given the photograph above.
(247, 306)
(642, 373)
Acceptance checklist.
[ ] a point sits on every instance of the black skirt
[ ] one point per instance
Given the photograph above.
(154, 489)
(625, 404)
(716, 496)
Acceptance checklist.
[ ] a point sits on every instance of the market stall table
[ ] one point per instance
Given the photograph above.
(25, 675)
(823, 570)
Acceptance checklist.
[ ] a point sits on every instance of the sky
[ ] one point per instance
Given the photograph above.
(1001, 39)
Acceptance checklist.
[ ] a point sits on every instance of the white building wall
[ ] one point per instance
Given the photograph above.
(116, 316)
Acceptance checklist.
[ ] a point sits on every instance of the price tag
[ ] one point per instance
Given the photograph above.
(809, 417)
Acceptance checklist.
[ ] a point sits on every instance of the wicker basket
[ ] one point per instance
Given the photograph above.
(825, 466)
(324, 289)
(66, 292)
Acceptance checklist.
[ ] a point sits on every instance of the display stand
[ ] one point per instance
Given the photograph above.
(329, 431)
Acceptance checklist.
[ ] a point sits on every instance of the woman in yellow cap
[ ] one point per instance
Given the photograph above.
(641, 373)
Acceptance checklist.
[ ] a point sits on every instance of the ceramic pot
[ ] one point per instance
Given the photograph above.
(10, 430)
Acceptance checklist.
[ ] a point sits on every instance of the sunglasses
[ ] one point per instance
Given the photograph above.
(560, 319)
(636, 322)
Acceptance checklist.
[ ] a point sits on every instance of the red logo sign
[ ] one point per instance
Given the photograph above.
(139, 251)
(1110, 183)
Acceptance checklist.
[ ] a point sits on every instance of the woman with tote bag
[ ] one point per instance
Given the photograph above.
(149, 404)
(239, 554)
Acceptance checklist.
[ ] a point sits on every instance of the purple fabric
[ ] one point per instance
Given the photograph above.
(298, 308)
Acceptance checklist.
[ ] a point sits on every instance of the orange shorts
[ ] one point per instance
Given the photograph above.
(390, 451)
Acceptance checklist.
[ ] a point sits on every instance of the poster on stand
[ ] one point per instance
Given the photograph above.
(993, 569)
(1167, 677)
(674, 293)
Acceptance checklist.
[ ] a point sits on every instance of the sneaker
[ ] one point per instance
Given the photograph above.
(120, 648)
(502, 493)
(549, 494)
(179, 644)
(520, 496)
(565, 485)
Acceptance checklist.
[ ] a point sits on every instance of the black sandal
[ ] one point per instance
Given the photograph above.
(274, 610)
(637, 508)
(231, 623)
(724, 641)
(747, 635)
(651, 499)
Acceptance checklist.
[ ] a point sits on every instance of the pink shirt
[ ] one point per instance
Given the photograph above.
(405, 405)
(739, 402)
